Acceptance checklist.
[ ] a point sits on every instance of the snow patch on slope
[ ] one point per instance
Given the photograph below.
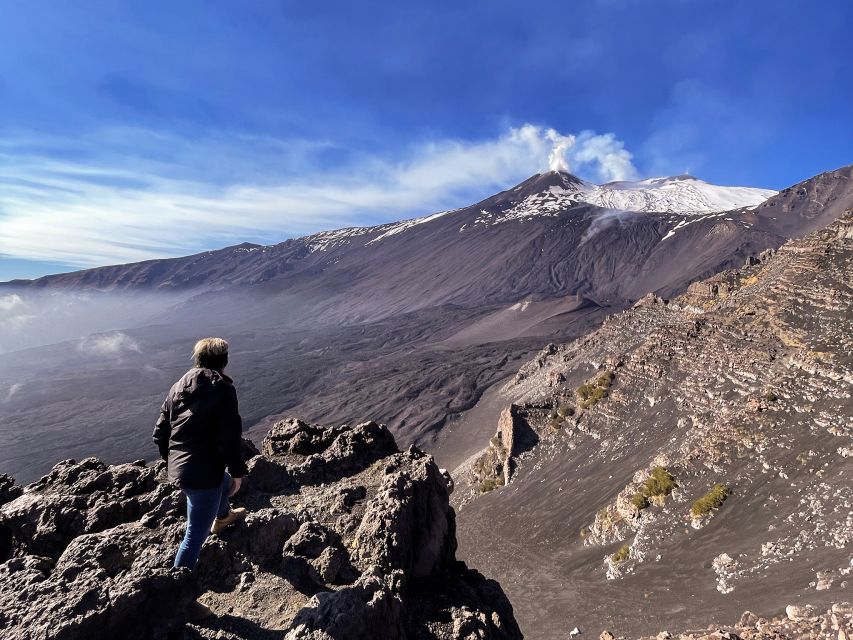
(327, 240)
(676, 194)
(547, 203)
(399, 227)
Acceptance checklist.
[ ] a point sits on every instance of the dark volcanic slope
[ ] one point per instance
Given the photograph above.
(810, 205)
(524, 241)
(528, 240)
(699, 451)
(406, 322)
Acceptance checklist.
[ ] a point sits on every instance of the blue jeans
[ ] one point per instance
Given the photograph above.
(203, 506)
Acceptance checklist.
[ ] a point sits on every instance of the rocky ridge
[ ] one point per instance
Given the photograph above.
(700, 447)
(346, 537)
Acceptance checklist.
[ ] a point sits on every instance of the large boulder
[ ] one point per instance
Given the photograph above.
(371, 609)
(326, 454)
(409, 525)
(77, 498)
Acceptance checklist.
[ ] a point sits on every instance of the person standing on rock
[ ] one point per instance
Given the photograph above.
(199, 435)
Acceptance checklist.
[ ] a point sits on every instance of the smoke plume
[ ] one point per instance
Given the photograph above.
(602, 155)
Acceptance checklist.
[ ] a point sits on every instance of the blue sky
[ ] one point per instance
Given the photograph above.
(133, 130)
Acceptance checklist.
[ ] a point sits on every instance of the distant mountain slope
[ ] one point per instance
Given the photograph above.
(696, 451)
(545, 195)
(811, 204)
(407, 322)
(550, 191)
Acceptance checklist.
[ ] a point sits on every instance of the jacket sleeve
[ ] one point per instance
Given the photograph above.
(230, 432)
(163, 429)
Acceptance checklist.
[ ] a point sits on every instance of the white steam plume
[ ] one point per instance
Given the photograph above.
(557, 157)
(13, 390)
(589, 152)
(603, 220)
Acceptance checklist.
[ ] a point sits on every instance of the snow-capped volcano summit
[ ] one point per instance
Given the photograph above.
(553, 190)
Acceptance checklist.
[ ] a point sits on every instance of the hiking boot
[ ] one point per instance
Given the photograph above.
(220, 524)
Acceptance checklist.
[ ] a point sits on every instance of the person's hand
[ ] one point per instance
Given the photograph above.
(235, 486)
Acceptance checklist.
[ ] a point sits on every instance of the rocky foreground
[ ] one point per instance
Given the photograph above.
(347, 537)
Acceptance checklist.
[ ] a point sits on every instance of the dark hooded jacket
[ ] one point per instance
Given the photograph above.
(199, 432)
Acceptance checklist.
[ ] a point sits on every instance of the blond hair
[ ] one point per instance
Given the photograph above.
(211, 353)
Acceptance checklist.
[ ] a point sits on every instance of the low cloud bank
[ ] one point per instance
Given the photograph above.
(33, 318)
(108, 344)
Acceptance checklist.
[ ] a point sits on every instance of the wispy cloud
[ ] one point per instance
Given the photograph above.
(679, 141)
(11, 302)
(108, 344)
(116, 199)
(15, 314)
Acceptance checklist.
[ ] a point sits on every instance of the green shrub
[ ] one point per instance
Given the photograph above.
(490, 484)
(566, 411)
(623, 553)
(710, 501)
(597, 394)
(593, 397)
(591, 393)
(605, 379)
(660, 483)
(585, 391)
(639, 501)
(771, 397)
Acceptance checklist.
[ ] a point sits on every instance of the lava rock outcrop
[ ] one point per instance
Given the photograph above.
(346, 537)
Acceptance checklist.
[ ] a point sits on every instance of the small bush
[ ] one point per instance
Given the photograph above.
(639, 501)
(593, 397)
(623, 554)
(605, 379)
(490, 484)
(710, 501)
(585, 391)
(566, 411)
(660, 483)
(591, 393)
(771, 397)
(597, 394)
